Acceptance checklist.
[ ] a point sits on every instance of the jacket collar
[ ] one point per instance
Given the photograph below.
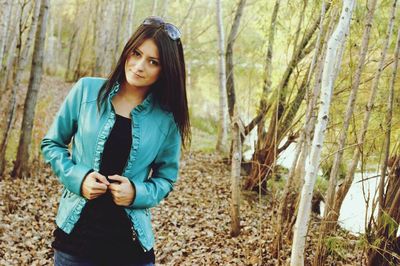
(142, 108)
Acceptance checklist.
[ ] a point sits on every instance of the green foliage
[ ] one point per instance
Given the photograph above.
(321, 185)
(205, 124)
(326, 167)
(362, 241)
(389, 223)
(276, 185)
(204, 132)
(337, 246)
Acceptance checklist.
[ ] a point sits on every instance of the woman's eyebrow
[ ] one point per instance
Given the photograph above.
(149, 56)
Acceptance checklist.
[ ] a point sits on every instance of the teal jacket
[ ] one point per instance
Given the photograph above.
(156, 145)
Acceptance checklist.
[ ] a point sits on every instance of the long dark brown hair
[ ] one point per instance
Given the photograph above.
(170, 88)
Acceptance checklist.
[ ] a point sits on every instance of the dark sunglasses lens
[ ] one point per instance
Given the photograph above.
(172, 31)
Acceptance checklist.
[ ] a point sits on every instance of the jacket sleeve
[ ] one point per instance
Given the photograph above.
(54, 145)
(149, 193)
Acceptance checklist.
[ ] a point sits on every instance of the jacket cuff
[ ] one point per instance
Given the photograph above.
(75, 182)
(140, 188)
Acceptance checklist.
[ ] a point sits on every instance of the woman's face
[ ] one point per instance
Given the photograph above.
(142, 67)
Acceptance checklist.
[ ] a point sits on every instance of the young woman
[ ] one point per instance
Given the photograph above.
(127, 133)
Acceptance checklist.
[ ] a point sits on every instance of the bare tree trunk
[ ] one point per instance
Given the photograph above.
(93, 57)
(69, 60)
(236, 123)
(120, 11)
(108, 37)
(59, 39)
(50, 57)
(299, 25)
(6, 72)
(389, 112)
(267, 73)
(223, 108)
(330, 218)
(299, 170)
(100, 40)
(290, 190)
(6, 7)
(154, 8)
(164, 11)
(376, 257)
(10, 45)
(264, 157)
(129, 22)
(230, 83)
(349, 112)
(313, 159)
(68, 69)
(235, 174)
(20, 63)
(78, 71)
(30, 38)
(22, 160)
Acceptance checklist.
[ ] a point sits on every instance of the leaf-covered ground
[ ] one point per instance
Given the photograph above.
(191, 226)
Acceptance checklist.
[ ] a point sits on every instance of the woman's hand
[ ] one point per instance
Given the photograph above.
(94, 185)
(121, 191)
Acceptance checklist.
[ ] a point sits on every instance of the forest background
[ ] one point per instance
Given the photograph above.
(258, 110)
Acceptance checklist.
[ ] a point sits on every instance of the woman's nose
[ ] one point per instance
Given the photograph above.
(140, 64)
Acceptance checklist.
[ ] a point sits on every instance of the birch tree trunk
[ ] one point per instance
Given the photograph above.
(331, 218)
(390, 201)
(284, 209)
(299, 169)
(348, 116)
(313, 159)
(263, 158)
(22, 161)
(223, 108)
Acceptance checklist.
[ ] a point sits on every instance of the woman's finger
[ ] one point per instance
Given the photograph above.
(101, 178)
(98, 186)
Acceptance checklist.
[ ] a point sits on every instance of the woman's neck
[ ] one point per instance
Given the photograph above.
(132, 93)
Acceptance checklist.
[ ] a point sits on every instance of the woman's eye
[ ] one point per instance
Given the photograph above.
(136, 53)
(153, 62)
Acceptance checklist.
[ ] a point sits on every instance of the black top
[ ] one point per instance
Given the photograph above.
(103, 231)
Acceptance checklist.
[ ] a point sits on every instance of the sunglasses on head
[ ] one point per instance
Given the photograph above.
(172, 31)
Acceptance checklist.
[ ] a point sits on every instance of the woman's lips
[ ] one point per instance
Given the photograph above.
(137, 75)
